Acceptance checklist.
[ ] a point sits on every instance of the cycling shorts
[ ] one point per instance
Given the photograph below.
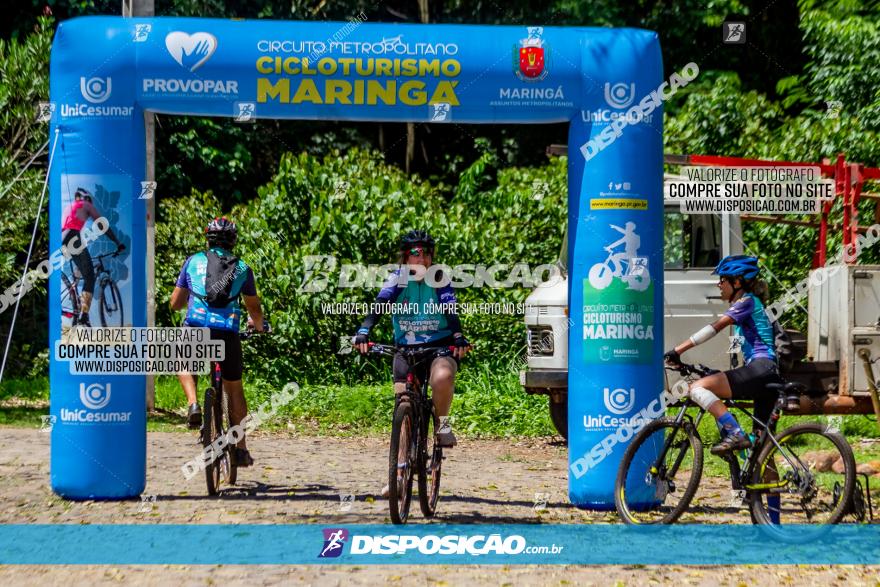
(232, 366)
(400, 368)
(750, 383)
(83, 260)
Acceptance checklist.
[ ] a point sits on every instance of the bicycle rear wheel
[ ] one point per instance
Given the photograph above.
(111, 305)
(401, 459)
(430, 463)
(210, 432)
(657, 489)
(231, 469)
(803, 472)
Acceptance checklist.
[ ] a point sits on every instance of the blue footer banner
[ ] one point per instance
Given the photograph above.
(437, 544)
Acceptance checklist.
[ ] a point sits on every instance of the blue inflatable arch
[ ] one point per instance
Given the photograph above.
(107, 71)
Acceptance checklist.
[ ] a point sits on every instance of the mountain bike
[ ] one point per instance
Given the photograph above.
(221, 467)
(661, 468)
(413, 445)
(109, 298)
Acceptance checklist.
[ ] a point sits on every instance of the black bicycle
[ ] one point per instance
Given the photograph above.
(809, 467)
(413, 444)
(221, 467)
(109, 298)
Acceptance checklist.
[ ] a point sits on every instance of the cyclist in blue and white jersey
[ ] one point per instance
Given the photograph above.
(739, 285)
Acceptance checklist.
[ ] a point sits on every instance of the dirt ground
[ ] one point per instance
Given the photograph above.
(308, 479)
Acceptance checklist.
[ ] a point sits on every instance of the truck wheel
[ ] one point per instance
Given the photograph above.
(559, 415)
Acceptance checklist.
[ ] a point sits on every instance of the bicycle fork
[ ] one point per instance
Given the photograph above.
(680, 424)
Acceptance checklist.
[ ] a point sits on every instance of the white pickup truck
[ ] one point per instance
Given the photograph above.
(693, 246)
(843, 308)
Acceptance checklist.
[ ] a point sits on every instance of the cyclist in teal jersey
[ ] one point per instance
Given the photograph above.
(427, 317)
(209, 285)
(739, 286)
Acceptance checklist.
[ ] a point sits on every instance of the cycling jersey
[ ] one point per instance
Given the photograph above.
(198, 313)
(753, 325)
(418, 318)
(78, 213)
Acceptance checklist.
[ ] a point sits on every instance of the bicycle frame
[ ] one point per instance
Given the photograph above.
(216, 379)
(100, 269)
(739, 477)
(102, 274)
(110, 304)
(416, 392)
(219, 393)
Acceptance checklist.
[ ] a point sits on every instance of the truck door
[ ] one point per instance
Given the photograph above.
(694, 244)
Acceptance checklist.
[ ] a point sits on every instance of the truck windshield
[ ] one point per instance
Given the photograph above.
(689, 241)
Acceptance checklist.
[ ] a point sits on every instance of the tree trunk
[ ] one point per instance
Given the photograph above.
(410, 144)
(424, 16)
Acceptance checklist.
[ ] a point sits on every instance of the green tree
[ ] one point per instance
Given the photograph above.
(24, 67)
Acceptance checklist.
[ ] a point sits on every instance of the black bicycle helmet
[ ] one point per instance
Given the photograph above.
(221, 232)
(417, 237)
(83, 193)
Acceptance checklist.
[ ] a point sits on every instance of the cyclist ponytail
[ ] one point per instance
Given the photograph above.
(758, 288)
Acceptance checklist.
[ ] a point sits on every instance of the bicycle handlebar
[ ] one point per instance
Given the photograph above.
(686, 369)
(249, 333)
(390, 351)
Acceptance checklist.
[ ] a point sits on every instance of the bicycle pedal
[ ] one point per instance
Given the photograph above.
(738, 498)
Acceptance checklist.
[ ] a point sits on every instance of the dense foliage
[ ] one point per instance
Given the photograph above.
(806, 86)
(354, 206)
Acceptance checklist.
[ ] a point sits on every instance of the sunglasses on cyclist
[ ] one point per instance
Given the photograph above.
(419, 251)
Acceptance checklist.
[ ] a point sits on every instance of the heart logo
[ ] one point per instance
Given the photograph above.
(191, 51)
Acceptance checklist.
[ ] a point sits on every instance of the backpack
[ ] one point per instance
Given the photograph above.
(219, 279)
(787, 352)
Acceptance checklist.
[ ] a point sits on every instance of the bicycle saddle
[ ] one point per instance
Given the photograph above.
(788, 388)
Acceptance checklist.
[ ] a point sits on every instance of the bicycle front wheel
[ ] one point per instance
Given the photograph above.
(401, 460)
(111, 305)
(430, 463)
(659, 473)
(794, 483)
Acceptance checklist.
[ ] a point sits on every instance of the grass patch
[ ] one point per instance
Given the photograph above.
(22, 416)
(485, 405)
(25, 389)
(23, 402)
(496, 405)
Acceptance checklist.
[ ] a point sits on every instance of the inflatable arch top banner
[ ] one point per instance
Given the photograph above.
(107, 71)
